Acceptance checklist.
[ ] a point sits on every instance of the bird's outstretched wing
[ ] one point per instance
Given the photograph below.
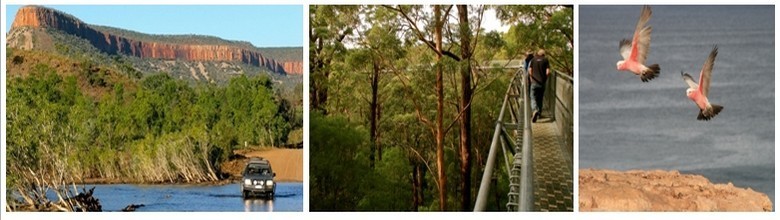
(706, 72)
(689, 80)
(640, 44)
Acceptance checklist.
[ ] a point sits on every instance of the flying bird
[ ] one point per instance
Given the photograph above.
(698, 92)
(634, 51)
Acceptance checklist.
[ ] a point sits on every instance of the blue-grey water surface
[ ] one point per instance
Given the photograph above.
(157, 198)
(626, 124)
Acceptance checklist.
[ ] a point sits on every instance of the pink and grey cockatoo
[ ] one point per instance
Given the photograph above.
(698, 92)
(634, 51)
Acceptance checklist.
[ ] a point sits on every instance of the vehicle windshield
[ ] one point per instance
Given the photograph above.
(257, 169)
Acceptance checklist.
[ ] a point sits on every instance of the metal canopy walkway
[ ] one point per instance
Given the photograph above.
(540, 173)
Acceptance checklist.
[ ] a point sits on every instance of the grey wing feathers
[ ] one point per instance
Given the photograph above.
(689, 80)
(706, 72)
(625, 48)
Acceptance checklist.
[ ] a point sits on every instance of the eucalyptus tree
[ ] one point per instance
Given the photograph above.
(541, 26)
(329, 25)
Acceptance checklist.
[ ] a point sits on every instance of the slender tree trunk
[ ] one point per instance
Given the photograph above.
(318, 93)
(415, 185)
(440, 110)
(421, 180)
(465, 120)
(374, 111)
(378, 132)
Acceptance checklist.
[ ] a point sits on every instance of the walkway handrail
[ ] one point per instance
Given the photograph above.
(526, 195)
(484, 186)
(526, 179)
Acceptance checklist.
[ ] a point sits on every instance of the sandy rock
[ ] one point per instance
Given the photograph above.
(658, 190)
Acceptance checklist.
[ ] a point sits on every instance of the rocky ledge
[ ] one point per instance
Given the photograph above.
(659, 190)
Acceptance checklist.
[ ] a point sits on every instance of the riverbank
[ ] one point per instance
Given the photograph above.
(287, 163)
(659, 190)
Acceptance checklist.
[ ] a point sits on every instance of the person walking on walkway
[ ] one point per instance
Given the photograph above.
(528, 57)
(539, 69)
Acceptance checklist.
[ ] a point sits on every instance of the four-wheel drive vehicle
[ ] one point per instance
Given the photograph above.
(258, 178)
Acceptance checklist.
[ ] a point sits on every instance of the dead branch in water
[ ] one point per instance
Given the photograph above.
(33, 192)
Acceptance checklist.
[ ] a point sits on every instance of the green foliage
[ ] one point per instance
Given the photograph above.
(164, 130)
(336, 182)
(546, 27)
(295, 136)
(392, 172)
(329, 26)
(492, 46)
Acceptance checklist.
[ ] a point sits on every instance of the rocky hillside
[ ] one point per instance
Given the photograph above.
(658, 190)
(191, 48)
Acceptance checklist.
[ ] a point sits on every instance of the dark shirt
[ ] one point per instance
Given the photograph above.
(539, 67)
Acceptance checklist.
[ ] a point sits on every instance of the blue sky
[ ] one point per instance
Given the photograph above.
(261, 25)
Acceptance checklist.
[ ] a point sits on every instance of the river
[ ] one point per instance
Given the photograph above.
(212, 198)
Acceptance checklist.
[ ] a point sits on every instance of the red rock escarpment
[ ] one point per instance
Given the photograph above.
(293, 67)
(41, 17)
(658, 190)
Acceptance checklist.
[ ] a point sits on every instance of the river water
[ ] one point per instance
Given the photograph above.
(626, 124)
(157, 198)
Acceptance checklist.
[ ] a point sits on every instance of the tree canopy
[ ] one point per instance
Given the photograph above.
(398, 100)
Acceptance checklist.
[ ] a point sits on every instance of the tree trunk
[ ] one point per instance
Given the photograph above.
(465, 120)
(421, 180)
(415, 189)
(374, 111)
(440, 110)
(318, 92)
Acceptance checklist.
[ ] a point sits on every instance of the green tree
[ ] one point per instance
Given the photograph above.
(548, 27)
(336, 181)
(329, 25)
(157, 129)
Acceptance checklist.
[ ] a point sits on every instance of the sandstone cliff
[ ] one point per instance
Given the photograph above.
(637, 190)
(293, 67)
(41, 17)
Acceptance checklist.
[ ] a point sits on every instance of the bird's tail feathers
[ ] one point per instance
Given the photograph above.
(709, 113)
(716, 109)
(651, 72)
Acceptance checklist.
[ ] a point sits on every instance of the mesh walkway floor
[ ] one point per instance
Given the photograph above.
(553, 179)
